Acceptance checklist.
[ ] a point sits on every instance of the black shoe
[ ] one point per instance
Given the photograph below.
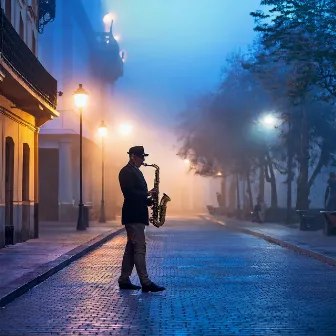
(152, 288)
(128, 286)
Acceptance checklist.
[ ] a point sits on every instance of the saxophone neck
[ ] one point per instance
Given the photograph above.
(151, 165)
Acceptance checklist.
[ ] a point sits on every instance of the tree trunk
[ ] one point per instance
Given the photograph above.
(272, 180)
(223, 192)
(302, 202)
(323, 159)
(249, 190)
(261, 193)
(290, 158)
(232, 194)
(238, 196)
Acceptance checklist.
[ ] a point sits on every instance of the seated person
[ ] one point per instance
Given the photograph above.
(259, 211)
(330, 194)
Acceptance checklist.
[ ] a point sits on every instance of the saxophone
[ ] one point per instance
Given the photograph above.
(159, 210)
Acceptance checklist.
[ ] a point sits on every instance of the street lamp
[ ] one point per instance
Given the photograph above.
(125, 129)
(102, 130)
(80, 98)
(108, 18)
(269, 121)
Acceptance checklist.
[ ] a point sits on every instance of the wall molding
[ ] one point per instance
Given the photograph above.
(11, 115)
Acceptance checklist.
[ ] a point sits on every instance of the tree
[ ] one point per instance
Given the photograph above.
(300, 35)
(217, 131)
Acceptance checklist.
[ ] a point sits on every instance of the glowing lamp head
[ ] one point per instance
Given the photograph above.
(102, 130)
(125, 129)
(108, 18)
(269, 121)
(80, 97)
(219, 174)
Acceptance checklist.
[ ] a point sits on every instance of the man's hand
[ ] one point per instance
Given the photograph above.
(152, 192)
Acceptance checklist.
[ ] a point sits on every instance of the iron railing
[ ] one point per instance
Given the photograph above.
(17, 55)
(46, 13)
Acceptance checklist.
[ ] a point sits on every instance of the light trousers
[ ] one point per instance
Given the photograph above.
(135, 254)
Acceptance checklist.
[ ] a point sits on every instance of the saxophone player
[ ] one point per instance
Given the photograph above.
(135, 217)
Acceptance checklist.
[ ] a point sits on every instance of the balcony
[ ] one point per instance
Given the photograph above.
(108, 62)
(23, 79)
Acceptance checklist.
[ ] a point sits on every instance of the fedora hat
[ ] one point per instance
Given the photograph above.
(138, 151)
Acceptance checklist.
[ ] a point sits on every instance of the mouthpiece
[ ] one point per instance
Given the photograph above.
(150, 165)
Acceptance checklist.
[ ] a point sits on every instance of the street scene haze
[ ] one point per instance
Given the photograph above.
(167, 167)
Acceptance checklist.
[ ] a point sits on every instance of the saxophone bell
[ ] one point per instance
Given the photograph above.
(159, 208)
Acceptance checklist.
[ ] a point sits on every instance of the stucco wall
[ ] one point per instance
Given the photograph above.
(16, 126)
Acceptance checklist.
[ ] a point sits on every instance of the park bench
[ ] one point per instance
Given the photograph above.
(308, 220)
(216, 210)
(210, 209)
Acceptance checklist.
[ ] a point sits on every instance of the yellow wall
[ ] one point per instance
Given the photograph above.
(20, 134)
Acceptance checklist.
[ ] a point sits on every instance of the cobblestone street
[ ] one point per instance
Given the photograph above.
(219, 282)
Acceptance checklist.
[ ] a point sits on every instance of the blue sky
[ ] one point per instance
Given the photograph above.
(174, 49)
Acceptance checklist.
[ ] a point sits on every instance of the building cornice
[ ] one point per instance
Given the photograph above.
(11, 115)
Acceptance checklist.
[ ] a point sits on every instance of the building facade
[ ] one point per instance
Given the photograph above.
(28, 95)
(75, 53)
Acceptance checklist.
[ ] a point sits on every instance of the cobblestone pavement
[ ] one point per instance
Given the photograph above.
(219, 282)
(56, 238)
(312, 240)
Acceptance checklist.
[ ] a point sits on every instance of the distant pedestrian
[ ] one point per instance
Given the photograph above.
(330, 193)
(219, 199)
(259, 211)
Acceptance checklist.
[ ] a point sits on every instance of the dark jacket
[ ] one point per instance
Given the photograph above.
(134, 188)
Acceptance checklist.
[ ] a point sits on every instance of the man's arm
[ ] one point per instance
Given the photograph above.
(127, 186)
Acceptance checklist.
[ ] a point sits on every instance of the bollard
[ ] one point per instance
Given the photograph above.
(86, 215)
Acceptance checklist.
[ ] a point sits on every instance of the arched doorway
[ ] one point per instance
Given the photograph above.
(25, 192)
(9, 189)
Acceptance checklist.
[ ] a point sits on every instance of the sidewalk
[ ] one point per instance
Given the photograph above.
(24, 265)
(311, 243)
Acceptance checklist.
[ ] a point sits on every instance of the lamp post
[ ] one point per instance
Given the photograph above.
(238, 196)
(102, 132)
(80, 97)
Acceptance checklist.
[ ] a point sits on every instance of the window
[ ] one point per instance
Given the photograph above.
(21, 28)
(34, 44)
(35, 6)
(8, 9)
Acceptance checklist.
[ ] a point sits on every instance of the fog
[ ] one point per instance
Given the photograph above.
(174, 51)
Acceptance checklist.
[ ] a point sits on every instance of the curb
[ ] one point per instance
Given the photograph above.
(23, 284)
(270, 239)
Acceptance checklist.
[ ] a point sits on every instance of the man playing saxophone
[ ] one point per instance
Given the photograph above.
(135, 217)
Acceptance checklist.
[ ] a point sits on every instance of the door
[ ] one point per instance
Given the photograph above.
(9, 190)
(25, 192)
(48, 184)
